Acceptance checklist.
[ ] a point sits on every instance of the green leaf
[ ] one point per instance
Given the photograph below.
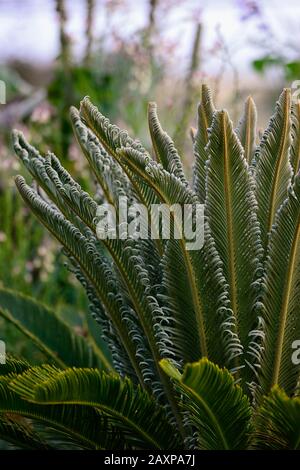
(273, 170)
(139, 417)
(125, 258)
(292, 70)
(112, 179)
(281, 298)
(36, 165)
(13, 366)
(17, 431)
(80, 425)
(277, 424)
(231, 211)
(260, 65)
(113, 139)
(215, 405)
(206, 111)
(92, 264)
(39, 323)
(164, 147)
(193, 278)
(246, 130)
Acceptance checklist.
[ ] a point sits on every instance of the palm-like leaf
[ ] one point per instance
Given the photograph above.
(164, 147)
(13, 366)
(281, 299)
(113, 139)
(273, 170)
(190, 276)
(235, 300)
(206, 110)
(80, 425)
(38, 322)
(139, 417)
(215, 405)
(85, 254)
(18, 432)
(111, 178)
(277, 425)
(246, 130)
(231, 211)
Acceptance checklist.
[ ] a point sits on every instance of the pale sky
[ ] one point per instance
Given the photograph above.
(29, 28)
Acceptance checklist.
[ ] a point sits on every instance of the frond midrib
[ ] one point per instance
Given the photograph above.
(210, 413)
(230, 237)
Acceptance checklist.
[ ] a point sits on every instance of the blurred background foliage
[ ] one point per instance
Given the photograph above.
(130, 53)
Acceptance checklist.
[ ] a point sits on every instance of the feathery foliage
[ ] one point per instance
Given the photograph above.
(201, 340)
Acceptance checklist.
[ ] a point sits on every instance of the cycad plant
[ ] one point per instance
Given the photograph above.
(201, 340)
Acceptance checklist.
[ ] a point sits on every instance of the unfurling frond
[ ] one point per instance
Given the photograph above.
(272, 166)
(246, 130)
(206, 111)
(163, 145)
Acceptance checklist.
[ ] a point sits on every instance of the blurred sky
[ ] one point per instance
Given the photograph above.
(29, 29)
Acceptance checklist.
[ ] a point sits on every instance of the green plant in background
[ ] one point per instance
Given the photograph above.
(201, 341)
(120, 80)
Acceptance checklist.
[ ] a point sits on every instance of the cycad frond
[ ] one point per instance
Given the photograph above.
(231, 211)
(13, 366)
(281, 299)
(139, 417)
(111, 137)
(277, 425)
(215, 405)
(86, 255)
(164, 147)
(189, 290)
(18, 432)
(113, 140)
(113, 181)
(206, 111)
(273, 170)
(38, 322)
(81, 425)
(246, 130)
